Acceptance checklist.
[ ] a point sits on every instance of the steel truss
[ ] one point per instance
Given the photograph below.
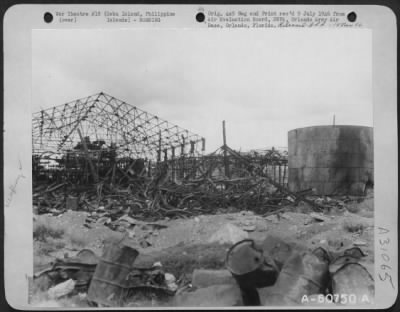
(121, 126)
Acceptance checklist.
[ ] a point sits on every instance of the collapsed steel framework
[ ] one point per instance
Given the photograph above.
(111, 123)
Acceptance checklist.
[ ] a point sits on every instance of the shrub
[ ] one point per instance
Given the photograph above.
(77, 239)
(55, 243)
(353, 207)
(354, 226)
(43, 229)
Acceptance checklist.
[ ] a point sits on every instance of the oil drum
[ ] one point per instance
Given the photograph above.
(110, 281)
(302, 274)
(251, 269)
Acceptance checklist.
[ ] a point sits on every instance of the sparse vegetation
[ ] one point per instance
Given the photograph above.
(45, 249)
(41, 285)
(353, 207)
(56, 243)
(338, 241)
(43, 229)
(354, 226)
(367, 214)
(77, 239)
(184, 259)
(362, 206)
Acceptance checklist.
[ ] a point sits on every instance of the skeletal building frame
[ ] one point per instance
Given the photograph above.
(131, 131)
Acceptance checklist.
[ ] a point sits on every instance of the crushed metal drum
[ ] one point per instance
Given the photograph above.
(323, 254)
(302, 274)
(277, 248)
(87, 256)
(355, 252)
(354, 279)
(109, 282)
(251, 269)
(351, 255)
(340, 262)
(80, 268)
(62, 289)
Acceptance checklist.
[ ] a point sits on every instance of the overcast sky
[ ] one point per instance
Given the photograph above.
(262, 82)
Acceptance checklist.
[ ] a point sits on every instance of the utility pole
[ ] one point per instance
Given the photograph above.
(226, 160)
(333, 119)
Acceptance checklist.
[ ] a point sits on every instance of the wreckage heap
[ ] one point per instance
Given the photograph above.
(103, 153)
(205, 189)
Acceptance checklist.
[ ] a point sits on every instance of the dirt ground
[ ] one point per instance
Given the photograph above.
(335, 230)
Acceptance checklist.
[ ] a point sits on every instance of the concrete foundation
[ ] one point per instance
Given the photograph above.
(334, 160)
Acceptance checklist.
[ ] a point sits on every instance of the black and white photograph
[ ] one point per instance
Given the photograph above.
(179, 167)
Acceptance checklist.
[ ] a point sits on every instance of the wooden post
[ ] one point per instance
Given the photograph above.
(194, 168)
(159, 148)
(183, 146)
(226, 160)
(165, 155)
(67, 173)
(85, 148)
(280, 174)
(173, 167)
(183, 168)
(284, 174)
(78, 164)
(183, 164)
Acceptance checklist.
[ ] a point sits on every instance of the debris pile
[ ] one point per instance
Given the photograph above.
(92, 178)
(108, 280)
(156, 198)
(278, 273)
(271, 272)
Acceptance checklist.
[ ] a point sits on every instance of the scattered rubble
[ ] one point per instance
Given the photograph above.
(145, 201)
(271, 272)
(202, 278)
(228, 234)
(212, 296)
(319, 217)
(360, 243)
(61, 289)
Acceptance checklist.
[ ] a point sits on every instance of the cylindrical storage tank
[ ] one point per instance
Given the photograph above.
(333, 160)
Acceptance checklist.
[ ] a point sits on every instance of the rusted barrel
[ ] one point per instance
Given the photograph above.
(278, 249)
(87, 256)
(302, 274)
(353, 279)
(110, 280)
(251, 269)
(351, 255)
